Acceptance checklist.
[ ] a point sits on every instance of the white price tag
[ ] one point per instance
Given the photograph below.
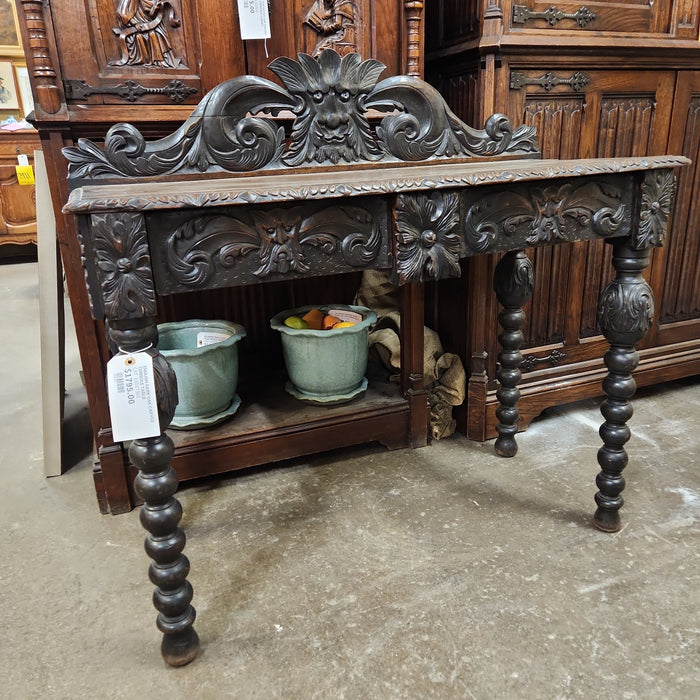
(346, 315)
(23, 159)
(254, 18)
(209, 338)
(132, 397)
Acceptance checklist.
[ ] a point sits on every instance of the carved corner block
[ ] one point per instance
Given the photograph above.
(123, 265)
(658, 194)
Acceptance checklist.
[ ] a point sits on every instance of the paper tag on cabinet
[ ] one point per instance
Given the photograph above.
(132, 397)
(254, 18)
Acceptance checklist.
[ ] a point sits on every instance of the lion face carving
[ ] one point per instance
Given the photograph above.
(330, 123)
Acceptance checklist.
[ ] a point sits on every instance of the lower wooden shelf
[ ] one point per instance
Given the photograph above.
(271, 426)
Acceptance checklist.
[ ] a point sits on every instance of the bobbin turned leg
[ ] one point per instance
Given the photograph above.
(625, 312)
(513, 282)
(156, 483)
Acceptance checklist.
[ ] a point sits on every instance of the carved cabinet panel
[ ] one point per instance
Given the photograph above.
(140, 51)
(593, 88)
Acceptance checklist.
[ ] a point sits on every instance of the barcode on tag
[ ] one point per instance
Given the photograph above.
(132, 397)
(254, 18)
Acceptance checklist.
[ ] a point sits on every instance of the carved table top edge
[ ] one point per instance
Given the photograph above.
(321, 184)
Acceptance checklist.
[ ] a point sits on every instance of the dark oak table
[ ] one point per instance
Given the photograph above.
(336, 172)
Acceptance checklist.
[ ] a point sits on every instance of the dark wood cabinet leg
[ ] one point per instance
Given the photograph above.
(156, 483)
(625, 312)
(513, 282)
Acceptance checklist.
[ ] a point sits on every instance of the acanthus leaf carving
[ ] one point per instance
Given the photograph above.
(555, 213)
(278, 238)
(626, 308)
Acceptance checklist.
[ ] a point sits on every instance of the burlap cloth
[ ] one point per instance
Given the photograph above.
(443, 372)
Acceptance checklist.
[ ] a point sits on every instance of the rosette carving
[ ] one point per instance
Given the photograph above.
(427, 237)
(658, 192)
(272, 243)
(330, 99)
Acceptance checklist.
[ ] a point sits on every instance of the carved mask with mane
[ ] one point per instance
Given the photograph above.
(330, 122)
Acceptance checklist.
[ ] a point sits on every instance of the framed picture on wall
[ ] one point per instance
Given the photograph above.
(9, 99)
(10, 41)
(24, 88)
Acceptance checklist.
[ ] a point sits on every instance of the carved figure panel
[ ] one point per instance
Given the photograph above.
(191, 251)
(143, 30)
(337, 25)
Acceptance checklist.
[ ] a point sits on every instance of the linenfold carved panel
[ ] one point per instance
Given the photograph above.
(331, 99)
(192, 250)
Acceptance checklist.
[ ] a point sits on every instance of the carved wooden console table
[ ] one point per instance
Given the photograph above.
(367, 175)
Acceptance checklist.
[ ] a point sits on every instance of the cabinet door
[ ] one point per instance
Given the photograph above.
(639, 16)
(145, 51)
(677, 282)
(584, 114)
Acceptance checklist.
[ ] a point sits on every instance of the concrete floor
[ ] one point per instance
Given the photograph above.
(443, 572)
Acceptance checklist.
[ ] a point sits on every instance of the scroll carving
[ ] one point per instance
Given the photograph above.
(427, 237)
(142, 33)
(335, 23)
(330, 98)
(548, 215)
(658, 192)
(123, 265)
(278, 239)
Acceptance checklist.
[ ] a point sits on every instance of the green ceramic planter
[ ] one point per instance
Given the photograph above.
(325, 367)
(207, 376)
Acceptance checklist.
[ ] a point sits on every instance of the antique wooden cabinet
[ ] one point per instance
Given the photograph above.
(17, 202)
(93, 63)
(598, 79)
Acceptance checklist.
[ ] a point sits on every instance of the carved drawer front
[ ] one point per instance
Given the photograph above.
(143, 52)
(639, 16)
(192, 250)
